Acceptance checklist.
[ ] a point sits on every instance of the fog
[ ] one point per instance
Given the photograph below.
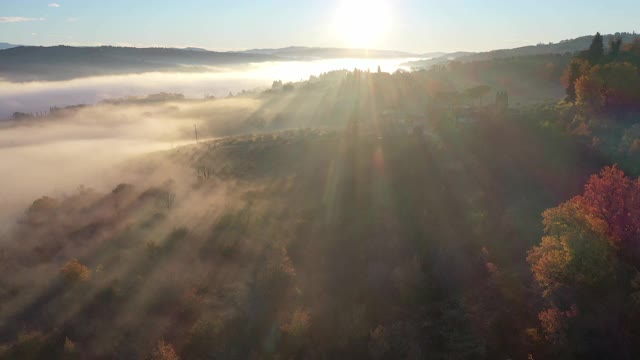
(33, 97)
(53, 155)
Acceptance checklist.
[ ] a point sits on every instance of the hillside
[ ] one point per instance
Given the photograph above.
(528, 79)
(563, 47)
(311, 230)
(7, 46)
(301, 52)
(26, 63)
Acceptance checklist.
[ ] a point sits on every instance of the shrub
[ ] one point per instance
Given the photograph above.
(379, 342)
(298, 324)
(164, 351)
(29, 346)
(75, 271)
(70, 350)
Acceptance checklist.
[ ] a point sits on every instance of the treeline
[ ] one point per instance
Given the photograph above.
(606, 81)
(586, 266)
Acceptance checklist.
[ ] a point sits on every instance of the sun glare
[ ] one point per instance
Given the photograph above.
(362, 23)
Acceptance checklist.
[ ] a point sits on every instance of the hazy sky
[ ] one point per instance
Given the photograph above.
(411, 25)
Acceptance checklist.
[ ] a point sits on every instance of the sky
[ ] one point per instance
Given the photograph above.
(408, 25)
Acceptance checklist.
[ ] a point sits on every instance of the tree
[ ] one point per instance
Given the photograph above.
(75, 271)
(589, 89)
(20, 116)
(298, 324)
(621, 92)
(610, 87)
(596, 50)
(477, 93)
(164, 351)
(634, 47)
(202, 340)
(582, 267)
(42, 211)
(502, 100)
(288, 87)
(573, 252)
(32, 345)
(615, 44)
(70, 350)
(612, 203)
(570, 76)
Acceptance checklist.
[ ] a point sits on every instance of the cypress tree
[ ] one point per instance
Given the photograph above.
(596, 50)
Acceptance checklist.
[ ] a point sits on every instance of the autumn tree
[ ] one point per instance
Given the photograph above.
(164, 351)
(573, 72)
(589, 91)
(633, 48)
(621, 92)
(572, 252)
(74, 271)
(583, 266)
(612, 203)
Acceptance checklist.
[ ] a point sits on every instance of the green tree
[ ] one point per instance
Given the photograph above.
(572, 74)
(596, 50)
(477, 93)
(615, 45)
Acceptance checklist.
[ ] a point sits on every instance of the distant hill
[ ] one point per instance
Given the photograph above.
(195, 49)
(432, 55)
(26, 63)
(562, 47)
(29, 63)
(301, 52)
(7, 46)
(428, 61)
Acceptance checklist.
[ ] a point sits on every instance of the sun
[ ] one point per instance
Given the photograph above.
(362, 23)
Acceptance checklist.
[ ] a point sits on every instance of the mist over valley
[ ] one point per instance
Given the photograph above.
(474, 194)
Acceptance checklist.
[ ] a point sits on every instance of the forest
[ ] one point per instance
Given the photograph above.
(474, 210)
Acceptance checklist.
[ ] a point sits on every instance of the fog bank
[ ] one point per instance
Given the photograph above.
(33, 97)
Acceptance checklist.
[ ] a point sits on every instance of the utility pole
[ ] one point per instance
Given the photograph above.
(195, 129)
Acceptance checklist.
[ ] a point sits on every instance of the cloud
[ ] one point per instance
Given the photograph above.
(54, 5)
(17, 19)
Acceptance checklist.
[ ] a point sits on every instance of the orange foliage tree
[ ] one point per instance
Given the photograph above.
(589, 248)
(74, 271)
(164, 351)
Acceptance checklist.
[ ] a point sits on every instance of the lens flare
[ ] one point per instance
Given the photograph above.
(361, 23)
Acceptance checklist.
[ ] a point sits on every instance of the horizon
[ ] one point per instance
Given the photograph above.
(382, 24)
(189, 47)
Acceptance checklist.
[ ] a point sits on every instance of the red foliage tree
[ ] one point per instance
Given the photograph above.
(612, 203)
